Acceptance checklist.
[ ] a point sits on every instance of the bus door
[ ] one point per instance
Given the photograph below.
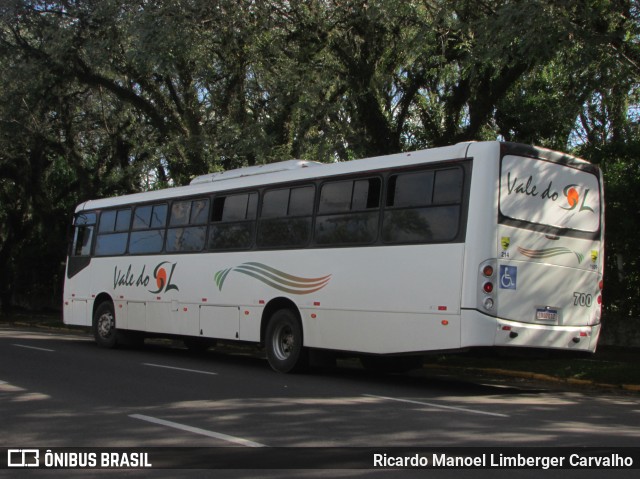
(78, 285)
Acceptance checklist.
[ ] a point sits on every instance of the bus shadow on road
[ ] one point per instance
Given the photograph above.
(351, 369)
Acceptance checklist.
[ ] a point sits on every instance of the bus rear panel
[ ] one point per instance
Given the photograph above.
(543, 286)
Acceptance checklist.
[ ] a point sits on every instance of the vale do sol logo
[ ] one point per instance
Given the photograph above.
(162, 275)
(531, 188)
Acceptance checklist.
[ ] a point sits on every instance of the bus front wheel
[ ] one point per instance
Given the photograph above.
(284, 343)
(104, 325)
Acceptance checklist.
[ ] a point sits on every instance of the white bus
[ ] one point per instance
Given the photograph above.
(484, 244)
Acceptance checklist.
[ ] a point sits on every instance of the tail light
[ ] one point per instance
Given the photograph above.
(598, 314)
(486, 282)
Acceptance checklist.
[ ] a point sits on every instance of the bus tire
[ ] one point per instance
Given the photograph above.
(104, 325)
(284, 342)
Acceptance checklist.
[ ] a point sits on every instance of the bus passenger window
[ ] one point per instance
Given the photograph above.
(199, 212)
(410, 189)
(148, 229)
(123, 219)
(234, 207)
(150, 216)
(142, 217)
(186, 239)
(107, 222)
(286, 217)
(419, 212)
(232, 217)
(348, 212)
(180, 213)
(448, 186)
(275, 203)
(189, 214)
(113, 232)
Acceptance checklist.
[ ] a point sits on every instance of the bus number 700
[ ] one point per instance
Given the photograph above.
(582, 299)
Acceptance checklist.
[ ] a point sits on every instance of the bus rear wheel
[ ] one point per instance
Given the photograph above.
(104, 325)
(284, 342)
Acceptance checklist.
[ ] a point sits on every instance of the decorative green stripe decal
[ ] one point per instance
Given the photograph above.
(220, 276)
(275, 278)
(549, 252)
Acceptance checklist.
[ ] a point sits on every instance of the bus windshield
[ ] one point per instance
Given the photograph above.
(549, 194)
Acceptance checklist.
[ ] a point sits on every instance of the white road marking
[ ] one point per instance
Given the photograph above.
(33, 347)
(439, 406)
(180, 369)
(197, 430)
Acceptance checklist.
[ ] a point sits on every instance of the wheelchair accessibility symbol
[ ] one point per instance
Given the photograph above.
(508, 277)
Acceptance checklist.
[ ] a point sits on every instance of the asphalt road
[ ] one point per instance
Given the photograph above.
(61, 390)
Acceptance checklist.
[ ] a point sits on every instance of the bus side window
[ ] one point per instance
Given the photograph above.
(417, 211)
(448, 186)
(83, 236)
(191, 218)
(113, 232)
(286, 217)
(148, 229)
(232, 220)
(348, 212)
(82, 241)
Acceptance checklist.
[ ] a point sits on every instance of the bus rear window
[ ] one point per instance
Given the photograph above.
(549, 194)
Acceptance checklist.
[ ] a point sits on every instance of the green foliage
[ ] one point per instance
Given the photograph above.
(111, 97)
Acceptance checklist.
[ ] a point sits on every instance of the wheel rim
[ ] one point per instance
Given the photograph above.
(283, 342)
(105, 325)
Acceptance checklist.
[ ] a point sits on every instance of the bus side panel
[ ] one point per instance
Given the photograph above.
(384, 300)
(76, 312)
(402, 298)
(77, 303)
(408, 302)
(133, 315)
(221, 322)
(380, 332)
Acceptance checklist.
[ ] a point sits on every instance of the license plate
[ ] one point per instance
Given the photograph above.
(545, 314)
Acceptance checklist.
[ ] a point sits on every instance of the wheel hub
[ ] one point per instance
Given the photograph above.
(284, 342)
(105, 325)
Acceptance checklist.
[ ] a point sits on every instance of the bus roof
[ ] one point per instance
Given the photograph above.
(254, 170)
(300, 170)
(282, 172)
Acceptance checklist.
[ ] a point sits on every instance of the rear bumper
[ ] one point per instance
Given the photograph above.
(481, 330)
